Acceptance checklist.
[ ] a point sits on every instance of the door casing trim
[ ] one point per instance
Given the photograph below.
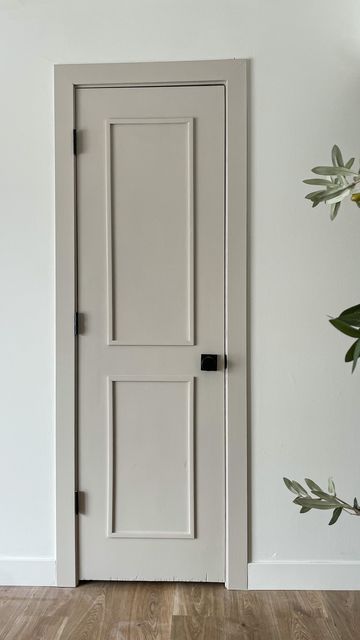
(232, 74)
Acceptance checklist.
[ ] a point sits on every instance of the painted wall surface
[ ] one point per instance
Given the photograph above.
(305, 95)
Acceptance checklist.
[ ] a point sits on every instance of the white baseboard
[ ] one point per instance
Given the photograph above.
(261, 575)
(30, 572)
(323, 576)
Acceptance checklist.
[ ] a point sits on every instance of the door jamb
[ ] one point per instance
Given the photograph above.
(232, 75)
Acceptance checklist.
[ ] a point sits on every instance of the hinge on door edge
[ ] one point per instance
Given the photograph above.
(76, 323)
(76, 504)
(74, 142)
(225, 361)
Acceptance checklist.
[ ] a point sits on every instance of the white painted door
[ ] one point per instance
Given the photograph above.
(150, 206)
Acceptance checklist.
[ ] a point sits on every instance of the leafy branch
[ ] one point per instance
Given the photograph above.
(339, 181)
(322, 500)
(348, 322)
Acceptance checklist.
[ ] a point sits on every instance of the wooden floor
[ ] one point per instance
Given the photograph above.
(167, 611)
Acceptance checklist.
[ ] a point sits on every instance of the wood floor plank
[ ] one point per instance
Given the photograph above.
(207, 628)
(168, 611)
(193, 599)
(248, 608)
(32, 619)
(343, 612)
(141, 610)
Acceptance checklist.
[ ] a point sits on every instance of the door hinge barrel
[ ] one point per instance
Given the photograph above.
(76, 503)
(76, 323)
(74, 142)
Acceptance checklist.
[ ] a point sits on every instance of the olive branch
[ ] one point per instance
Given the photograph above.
(339, 181)
(322, 499)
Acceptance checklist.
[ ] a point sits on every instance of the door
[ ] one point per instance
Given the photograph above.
(150, 228)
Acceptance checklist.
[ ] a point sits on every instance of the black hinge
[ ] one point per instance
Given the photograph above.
(225, 361)
(74, 142)
(76, 323)
(76, 503)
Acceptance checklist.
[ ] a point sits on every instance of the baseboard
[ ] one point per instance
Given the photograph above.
(31, 572)
(322, 576)
(336, 575)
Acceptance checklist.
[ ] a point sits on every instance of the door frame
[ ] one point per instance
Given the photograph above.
(231, 74)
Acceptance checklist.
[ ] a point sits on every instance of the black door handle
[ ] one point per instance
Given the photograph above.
(209, 362)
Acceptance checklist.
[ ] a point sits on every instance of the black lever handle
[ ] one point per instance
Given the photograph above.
(209, 362)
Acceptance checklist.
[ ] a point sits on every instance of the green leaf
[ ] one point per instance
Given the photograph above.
(342, 326)
(350, 310)
(330, 195)
(333, 171)
(305, 509)
(336, 514)
(319, 181)
(351, 319)
(342, 180)
(356, 355)
(349, 356)
(315, 503)
(301, 491)
(339, 196)
(290, 486)
(312, 485)
(336, 156)
(334, 210)
(331, 487)
(314, 194)
(349, 163)
(321, 494)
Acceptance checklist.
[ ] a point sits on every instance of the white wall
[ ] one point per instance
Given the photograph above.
(305, 95)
